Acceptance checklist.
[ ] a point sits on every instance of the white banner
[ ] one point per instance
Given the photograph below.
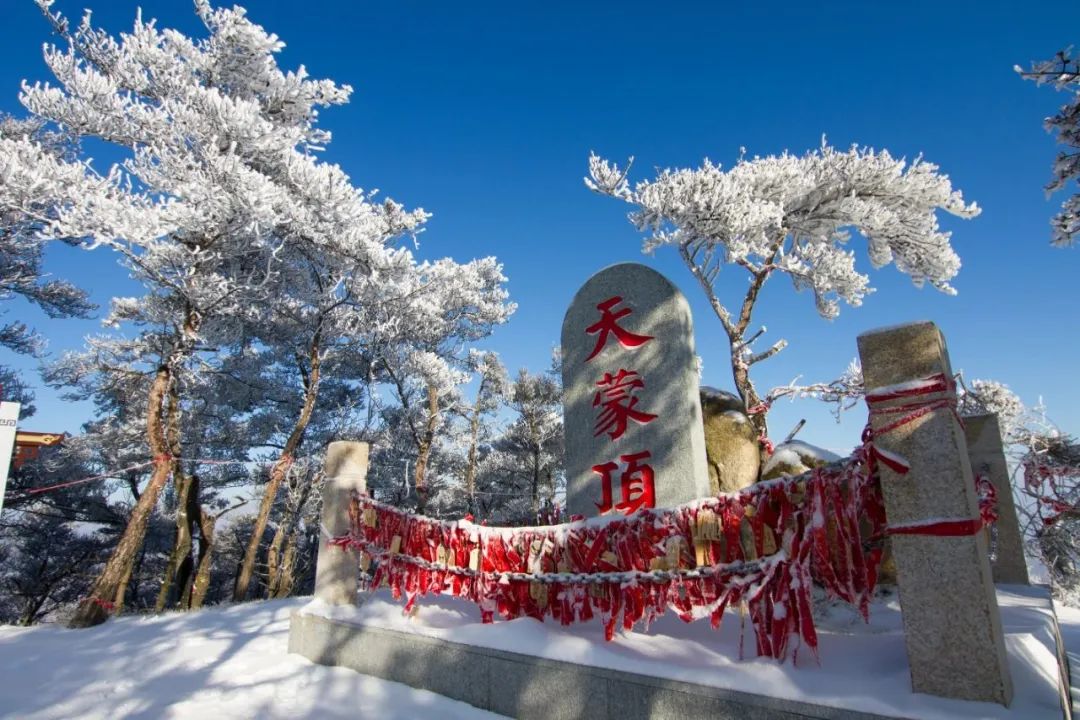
(9, 418)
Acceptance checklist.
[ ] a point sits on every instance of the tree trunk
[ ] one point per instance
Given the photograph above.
(740, 365)
(30, 610)
(102, 600)
(275, 563)
(206, 549)
(36, 600)
(281, 467)
(741, 374)
(423, 449)
(186, 508)
(181, 547)
(273, 555)
(192, 511)
(420, 476)
(186, 563)
(536, 482)
(470, 469)
(283, 580)
(122, 589)
(288, 568)
(178, 570)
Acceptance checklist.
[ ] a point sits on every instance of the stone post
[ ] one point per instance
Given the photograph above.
(952, 625)
(337, 571)
(987, 454)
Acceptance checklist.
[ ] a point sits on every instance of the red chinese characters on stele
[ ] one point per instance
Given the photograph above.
(635, 484)
(608, 325)
(618, 406)
(617, 400)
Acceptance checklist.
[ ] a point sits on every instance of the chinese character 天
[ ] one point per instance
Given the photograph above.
(608, 325)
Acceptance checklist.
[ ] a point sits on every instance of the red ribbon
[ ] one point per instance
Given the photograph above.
(805, 529)
(912, 411)
(940, 528)
(908, 413)
(759, 408)
(1043, 477)
(987, 499)
(105, 605)
(894, 462)
(342, 541)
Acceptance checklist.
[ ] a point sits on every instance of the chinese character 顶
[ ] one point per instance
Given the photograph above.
(607, 325)
(618, 403)
(636, 483)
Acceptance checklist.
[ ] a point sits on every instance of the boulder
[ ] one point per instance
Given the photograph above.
(795, 458)
(731, 444)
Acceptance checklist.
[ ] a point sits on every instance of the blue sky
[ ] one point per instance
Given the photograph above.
(485, 113)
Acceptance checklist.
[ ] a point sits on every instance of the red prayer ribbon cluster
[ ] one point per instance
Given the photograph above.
(921, 401)
(763, 547)
(1053, 485)
(760, 549)
(908, 412)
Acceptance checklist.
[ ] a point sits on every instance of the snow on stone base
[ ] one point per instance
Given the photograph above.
(863, 667)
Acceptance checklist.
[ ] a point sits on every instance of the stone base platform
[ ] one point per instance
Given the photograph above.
(526, 669)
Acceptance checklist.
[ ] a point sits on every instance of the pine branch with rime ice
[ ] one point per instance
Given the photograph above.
(1063, 74)
(793, 215)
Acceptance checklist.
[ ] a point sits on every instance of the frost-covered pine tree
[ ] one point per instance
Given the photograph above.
(333, 317)
(990, 396)
(26, 205)
(221, 176)
(423, 353)
(1063, 73)
(528, 455)
(492, 389)
(793, 215)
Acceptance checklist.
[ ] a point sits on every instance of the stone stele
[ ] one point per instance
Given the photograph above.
(631, 405)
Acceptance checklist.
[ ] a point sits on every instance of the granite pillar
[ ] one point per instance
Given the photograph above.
(987, 454)
(952, 625)
(337, 571)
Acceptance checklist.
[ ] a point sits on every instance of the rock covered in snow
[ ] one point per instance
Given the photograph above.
(795, 458)
(731, 445)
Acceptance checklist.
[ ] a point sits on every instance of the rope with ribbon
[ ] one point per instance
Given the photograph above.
(920, 398)
(760, 549)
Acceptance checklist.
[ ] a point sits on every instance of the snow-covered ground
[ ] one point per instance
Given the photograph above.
(232, 663)
(217, 663)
